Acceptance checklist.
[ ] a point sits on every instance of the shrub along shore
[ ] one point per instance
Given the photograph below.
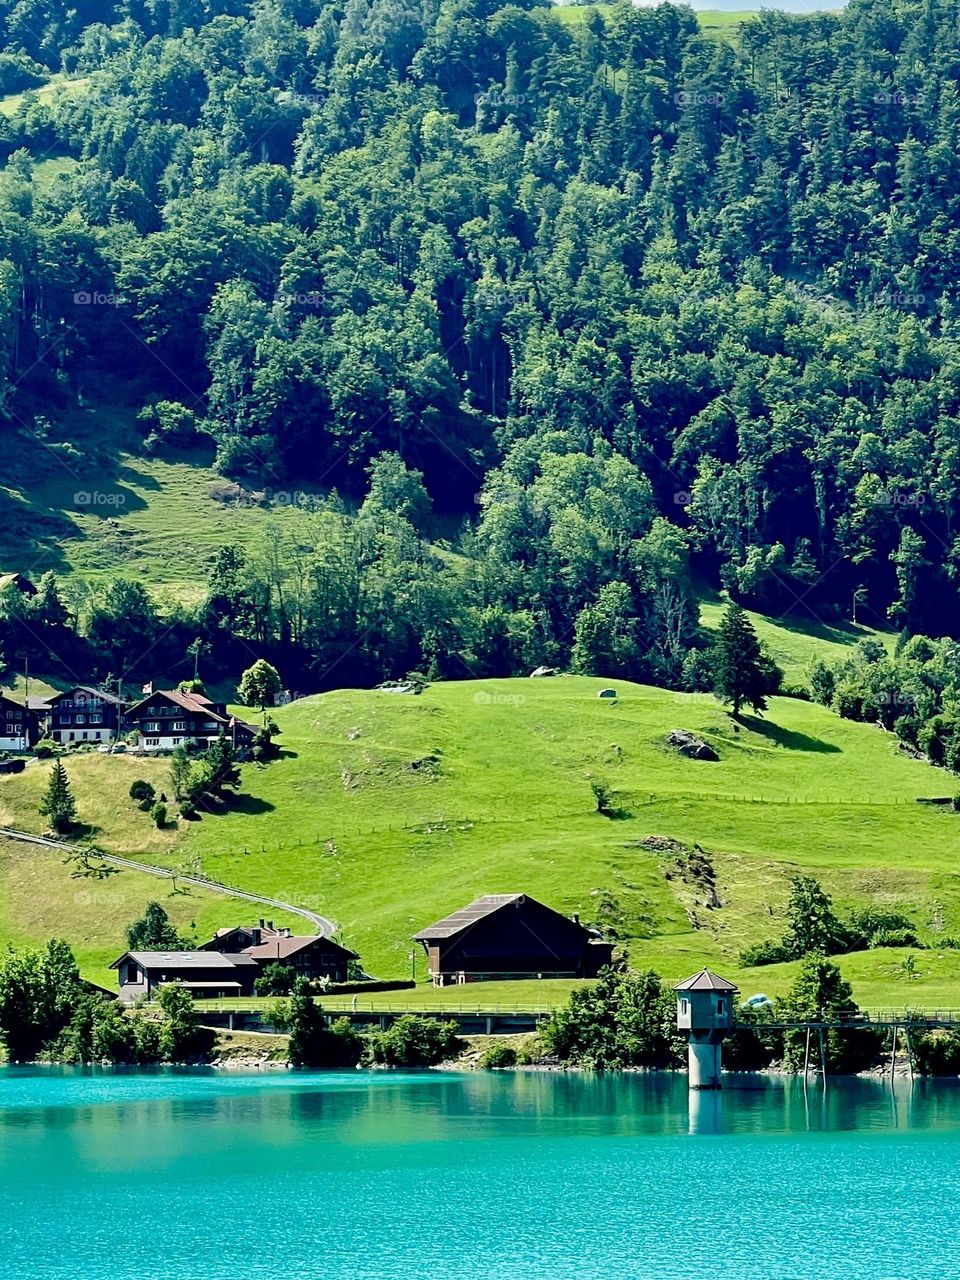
(625, 1021)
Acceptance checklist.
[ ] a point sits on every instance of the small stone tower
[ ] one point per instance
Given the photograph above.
(705, 1012)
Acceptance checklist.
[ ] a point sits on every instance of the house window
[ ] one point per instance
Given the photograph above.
(152, 742)
(96, 719)
(81, 719)
(151, 726)
(64, 719)
(179, 725)
(684, 1007)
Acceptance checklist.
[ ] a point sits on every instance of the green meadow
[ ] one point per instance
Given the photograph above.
(388, 811)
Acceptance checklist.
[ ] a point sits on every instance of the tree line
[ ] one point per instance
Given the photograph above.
(624, 295)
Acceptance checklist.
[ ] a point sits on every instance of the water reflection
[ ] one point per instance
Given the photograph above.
(534, 1175)
(367, 1108)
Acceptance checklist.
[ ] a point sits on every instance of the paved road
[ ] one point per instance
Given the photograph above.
(322, 924)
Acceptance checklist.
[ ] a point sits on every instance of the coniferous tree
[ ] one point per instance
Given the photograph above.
(742, 671)
(58, 803)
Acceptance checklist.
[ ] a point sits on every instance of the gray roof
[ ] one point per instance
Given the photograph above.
(467, 916)
(184, 960)
(705, 981)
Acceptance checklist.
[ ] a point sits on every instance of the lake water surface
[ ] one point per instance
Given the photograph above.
(182, 1175)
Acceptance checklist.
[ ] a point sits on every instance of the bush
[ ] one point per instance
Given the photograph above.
(530, 1050)
(936, 1053)
(498, 1057)
(19, 72)
(750, 1047)
(312, 1043)
(415, 1042)
(894, 938)
(159, 814)
(762, 953)
(872, 927)
(45, 748)
(276, 980)
(799, 691)
(144, 793)
(625, 1020)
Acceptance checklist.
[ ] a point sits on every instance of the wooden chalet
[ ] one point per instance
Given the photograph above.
(19, 725)
(84, 714)
(511, 935)
(309, 955)
(167, 718)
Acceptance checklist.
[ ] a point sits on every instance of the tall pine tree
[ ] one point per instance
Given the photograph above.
(57, 802)
(742, 671)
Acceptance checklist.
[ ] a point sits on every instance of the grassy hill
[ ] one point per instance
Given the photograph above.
(388, 811)
(794, 643)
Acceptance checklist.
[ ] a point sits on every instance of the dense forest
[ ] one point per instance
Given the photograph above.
(630, 307)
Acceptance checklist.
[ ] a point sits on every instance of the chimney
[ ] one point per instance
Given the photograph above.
(261, 922)
(269, 924)
(576, 917)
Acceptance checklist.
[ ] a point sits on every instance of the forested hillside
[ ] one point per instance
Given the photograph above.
(642, 306)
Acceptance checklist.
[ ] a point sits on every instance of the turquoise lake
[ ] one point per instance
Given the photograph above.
(182, 1175)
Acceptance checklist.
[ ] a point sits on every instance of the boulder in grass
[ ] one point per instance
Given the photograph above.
(688, 744)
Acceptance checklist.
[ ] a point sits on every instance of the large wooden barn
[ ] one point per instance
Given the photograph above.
(511, 935)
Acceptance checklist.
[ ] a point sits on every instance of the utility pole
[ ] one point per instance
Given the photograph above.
(859, 596)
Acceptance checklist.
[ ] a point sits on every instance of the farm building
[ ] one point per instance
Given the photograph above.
(309, 955)
(205, 974)
(511, 935)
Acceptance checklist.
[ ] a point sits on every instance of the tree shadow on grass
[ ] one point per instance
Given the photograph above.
(242, 803)
(788, 738)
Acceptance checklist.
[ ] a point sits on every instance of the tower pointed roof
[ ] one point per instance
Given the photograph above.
(705, 981)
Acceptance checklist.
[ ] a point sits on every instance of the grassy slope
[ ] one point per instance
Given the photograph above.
(41, 899)
(795, 644)
(347, 823)
(156, 521)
